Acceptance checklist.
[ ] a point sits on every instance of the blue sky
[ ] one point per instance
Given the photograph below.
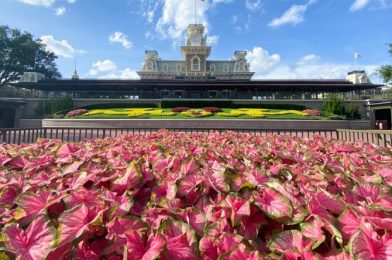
(284, 39)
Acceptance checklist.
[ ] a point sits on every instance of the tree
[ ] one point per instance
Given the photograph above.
(19, 53)
(386, 70)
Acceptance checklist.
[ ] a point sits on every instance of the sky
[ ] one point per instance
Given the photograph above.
(285, 39)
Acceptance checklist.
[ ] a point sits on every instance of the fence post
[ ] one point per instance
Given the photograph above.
(337, 134)
(4, 135)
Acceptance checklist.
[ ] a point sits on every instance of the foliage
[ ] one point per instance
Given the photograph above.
(269, 106)
(352, 111)
(196, 196)
(76, 112)
(334, 105)
(195, 103)
(122, 105)
(312, 112)
(180, 109)
(386, 70)
(212, 109)
(196, 113)
(19, 53)
(50, 106)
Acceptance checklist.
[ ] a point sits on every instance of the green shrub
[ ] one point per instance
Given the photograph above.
(50, 106)
(334, 105)
(195, 103)
(352, 112)
(121, 105)
(270, 106)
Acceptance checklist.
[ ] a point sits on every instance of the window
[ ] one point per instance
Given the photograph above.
(242, 66)
(226, 68)
(195, 63)
(150, 66)
(165, 68)
(212, 67)
(179, 68)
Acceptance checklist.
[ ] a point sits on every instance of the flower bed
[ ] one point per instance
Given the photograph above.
(190, 196)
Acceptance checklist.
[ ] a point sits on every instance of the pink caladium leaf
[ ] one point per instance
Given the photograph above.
(330, 202)
(367, 244)
(338, 255)
(250, 225)
(67, 149)
(130, 180)
(314, 232)
(34, 243)
(84, 196)
(292, 245)
(167, 190)
(18, 163)
(74, 222)
(178, 248)
(216, 177)
(274, 205)
(34, 204)
(349, 222)
(120, 226)
(140, 248)
(239, 208)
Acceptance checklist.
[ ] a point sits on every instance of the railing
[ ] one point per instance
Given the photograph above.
(19, 136)
(377, 137)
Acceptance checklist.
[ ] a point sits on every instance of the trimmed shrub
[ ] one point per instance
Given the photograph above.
(312, 112)
(195, 103)
(213, 109)
(76, 112)
(270, 106)
(180, 109)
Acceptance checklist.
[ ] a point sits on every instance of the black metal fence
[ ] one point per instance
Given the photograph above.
(378, 137)
(18, 136)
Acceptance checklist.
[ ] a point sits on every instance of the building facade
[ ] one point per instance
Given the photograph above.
(195, 64)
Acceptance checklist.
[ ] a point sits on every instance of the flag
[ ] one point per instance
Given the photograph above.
(357, 55)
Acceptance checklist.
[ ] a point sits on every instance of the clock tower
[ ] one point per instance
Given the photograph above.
(195, 51)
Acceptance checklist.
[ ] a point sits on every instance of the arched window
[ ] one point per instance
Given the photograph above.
(226, 68)
(149, 66)
(195, 63)
(212, 67)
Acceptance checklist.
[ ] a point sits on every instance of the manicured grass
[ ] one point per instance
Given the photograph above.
(166, 113)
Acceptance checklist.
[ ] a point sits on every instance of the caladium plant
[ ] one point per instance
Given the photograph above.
(196, 196)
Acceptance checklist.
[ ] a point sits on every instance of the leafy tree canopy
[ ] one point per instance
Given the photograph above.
(386, 70)
(19, 53)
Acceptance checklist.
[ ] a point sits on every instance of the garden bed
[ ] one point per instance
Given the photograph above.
(191, 196)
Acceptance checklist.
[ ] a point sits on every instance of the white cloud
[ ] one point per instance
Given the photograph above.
(60, 11)
(126, 73)
(293, 15)
(253, 5)
(102, 66)
(358, 5)
(59, 47)
(177, 15)
(308, 59)
(221, 1)
(268, 66)
(261, 61)
(71, 1)
(46, 3)
(119, 37)
(212, 40)
(242, 23)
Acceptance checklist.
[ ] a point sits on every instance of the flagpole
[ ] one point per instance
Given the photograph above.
(195, 12)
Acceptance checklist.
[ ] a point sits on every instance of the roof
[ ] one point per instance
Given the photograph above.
(381, 104)
(206, 84)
